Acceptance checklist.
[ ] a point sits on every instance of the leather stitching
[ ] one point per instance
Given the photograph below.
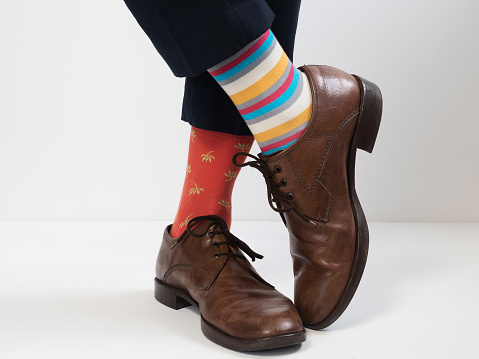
(333, 139)
(298, 174)
(324, 160)
(325, 156)
(326, 214)
(201, 263)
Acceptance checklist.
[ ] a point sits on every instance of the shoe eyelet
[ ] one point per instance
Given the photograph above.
(217, 255)
(290, 196)
(216, 245)
(211, 233)
(283, 183)
(278, 169)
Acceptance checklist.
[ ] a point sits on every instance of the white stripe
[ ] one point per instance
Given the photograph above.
(256, 74)
(303, 102)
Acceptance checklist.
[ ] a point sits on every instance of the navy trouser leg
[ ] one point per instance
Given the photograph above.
(207, 106)
(194, 35)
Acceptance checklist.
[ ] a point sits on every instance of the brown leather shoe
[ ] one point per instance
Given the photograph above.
(311, 184)
(205, 267)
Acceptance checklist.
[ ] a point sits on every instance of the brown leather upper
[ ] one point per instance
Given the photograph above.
(230, 294)
(315, 171)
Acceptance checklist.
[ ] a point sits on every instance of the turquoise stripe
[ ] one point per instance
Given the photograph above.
(248, 61)
(273, 150)
(278, 102)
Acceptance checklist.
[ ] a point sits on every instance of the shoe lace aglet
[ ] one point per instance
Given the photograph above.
(253, 255)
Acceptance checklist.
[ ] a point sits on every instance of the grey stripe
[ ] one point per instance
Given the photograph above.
(281, 108)
(269, 91)
(286, 135)
(231, 58)
(251, 66)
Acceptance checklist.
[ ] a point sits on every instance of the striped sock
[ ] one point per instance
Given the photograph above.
(273, 96)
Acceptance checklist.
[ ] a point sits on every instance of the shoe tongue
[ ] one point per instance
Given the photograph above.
(201, 227)
(246, 264)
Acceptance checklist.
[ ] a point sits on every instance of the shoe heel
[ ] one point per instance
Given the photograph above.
(166, 296)
(369, 115)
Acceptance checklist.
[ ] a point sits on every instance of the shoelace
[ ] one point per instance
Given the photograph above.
(277, 201)
(231, 239)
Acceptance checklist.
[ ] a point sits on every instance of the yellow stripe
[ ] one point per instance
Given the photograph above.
(263, 83)
(285, 127)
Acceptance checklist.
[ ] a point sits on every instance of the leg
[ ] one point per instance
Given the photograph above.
(308, 161)
(210, 176)
(200, 262)
(207, 106)
(193, 36)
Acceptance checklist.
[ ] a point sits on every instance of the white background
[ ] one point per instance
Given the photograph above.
(90, 130)
(89, 112)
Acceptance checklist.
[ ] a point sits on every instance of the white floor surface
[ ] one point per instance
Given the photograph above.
(84, 290)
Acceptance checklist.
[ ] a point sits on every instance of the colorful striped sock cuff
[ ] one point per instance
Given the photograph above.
(272, 96)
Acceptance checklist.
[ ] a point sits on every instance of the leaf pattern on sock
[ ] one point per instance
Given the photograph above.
(209, 176)
(196, 190)
(185, 222)
(231, 175)
(207, 157)
(243, 147)
(225, 204)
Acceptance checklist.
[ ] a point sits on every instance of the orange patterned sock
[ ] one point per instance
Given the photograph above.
(210, 176)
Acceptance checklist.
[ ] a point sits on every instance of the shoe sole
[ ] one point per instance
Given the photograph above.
(177, 299)
(364, 138)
